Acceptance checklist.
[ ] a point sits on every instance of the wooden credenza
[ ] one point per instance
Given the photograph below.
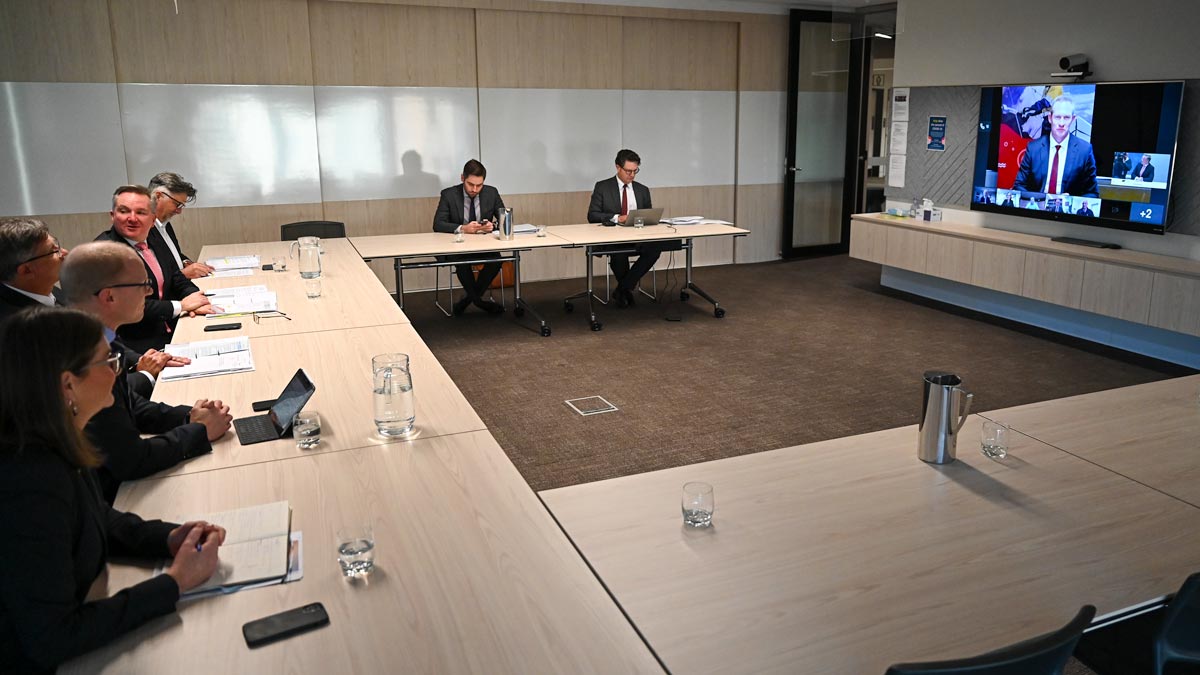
(1144, 288)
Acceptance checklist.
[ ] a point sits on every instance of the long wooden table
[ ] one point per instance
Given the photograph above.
(1148, 433)
(473, 575)
(848, 555)
(339, 363)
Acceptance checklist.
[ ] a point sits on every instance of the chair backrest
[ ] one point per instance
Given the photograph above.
(325, 229)
(1182, 616)
(1043, 655)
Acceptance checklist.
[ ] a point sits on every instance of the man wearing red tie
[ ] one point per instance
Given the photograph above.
(612, 200)
(173, 294)
(1061, 163)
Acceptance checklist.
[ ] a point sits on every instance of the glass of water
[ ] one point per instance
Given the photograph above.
(312, 287)
(395, 410)
(698, 504)
(356, 551)
(306, 429)
(994, 439)
(279, 263)
(639, 222)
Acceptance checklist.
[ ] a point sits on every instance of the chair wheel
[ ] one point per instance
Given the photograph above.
(545, 331)
(684, 295)
(568, 307)
(596, 325)
(519, 311)
(719, 313)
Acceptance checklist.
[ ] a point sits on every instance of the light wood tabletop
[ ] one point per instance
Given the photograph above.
(1148, 432)
(339, 363)
(848, 555)
(351, 295)
(442, 243)
(588, 234)
(472, 574)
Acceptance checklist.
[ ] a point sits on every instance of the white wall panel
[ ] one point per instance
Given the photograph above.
(820, 136)
(683, 137)
(239, 144)
(549, 140)
(61, 145)
(762, 127)
(391, 142)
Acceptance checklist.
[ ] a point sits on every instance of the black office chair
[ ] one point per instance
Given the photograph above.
(325, 229)
(1179, 637)
(1043, 655)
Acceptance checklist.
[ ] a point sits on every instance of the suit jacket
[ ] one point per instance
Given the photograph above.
(138, 383)
(1079, 169)
(1120, 169)
(12, 302)
(56, 536)
(117, 432)
(162, 251)
(1085, 211)
(1147, 177)
(449, 214)
(606, 200)
(151, 331)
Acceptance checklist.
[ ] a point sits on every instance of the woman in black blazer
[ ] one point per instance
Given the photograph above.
(56, 533)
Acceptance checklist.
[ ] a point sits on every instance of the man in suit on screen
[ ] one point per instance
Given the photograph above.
(1060, 163)
(1144, 171)
(471, 208)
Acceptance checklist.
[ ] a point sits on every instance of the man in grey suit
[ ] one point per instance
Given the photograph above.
(470, 208)
(612, 200)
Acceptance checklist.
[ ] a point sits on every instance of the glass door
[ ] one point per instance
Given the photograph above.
(824, 168)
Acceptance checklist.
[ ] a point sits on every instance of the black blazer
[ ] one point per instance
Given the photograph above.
(1147, 177)
(117, 432)
(12, 302)
(606, 200)
(162, 251)
(56, 536)
(449, 214)
(151, 332)
(138, 383)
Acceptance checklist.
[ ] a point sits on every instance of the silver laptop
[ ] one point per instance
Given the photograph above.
(648, 216)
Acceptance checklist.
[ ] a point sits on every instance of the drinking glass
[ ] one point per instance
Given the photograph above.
(395, 410)
(306, 429)
(312, 287)
(639, 222)
(356, 550)
(994, 439)
(279, 263)
(697, 504)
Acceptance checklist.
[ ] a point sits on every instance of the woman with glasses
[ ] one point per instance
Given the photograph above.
(56, 533)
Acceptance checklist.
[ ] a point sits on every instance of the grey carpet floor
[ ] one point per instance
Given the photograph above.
(809, 350)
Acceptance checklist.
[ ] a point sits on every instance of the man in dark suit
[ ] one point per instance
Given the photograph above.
(172, 293)
(612, 200)
(169, 194)
(1084, 210)
(471, 208)
(1144, 171)
(1008, 200)
(110, 282)
(1069, 169)
(1120, 165)
(30, 259)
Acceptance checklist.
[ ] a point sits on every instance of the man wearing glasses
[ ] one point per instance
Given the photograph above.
(30, 258)
(612, 200)
(169, 194)
(109, 281)
(172, 294)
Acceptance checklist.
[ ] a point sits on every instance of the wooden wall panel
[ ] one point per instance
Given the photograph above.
(392, 46)
(553, 208)
(212, 41)
(55, 41)
(557, 7)
(200, 227)
(760, 210)
(73, 229)
(710, 201)
(668, 54)
(763, 55)
(548, 51)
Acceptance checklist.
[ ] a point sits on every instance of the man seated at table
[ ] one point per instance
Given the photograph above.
(471, 208)
(30, 258)
(172, 294)
(169, 193)
(612, 200)
(110, 282)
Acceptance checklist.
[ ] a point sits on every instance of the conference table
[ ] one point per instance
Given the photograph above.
(848, 555)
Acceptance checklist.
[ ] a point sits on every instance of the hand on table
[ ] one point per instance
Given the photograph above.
(153, 361)
(195, 557)
(214, 415)
(195, 270)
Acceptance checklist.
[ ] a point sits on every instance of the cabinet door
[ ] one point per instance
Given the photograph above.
(1052, 278)
(1117, 291)
(1175, 303)
(906, 249)
(949, 258)
(998, 267)
(868, 241)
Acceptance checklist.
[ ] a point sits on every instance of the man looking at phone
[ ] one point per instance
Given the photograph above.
(470, 208)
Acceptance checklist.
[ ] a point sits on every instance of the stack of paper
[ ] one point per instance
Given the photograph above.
(525, 228)
(210, 357)
(233, 273)
(235, 262)
(683, 220)
(242, 300)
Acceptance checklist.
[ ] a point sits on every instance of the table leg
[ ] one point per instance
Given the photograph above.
(520, 305)
(399, 283)
(718, 310)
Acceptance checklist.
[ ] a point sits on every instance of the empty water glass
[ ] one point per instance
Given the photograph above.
(697, 504)
(395, 410)
(312, 287)
(994, 439)
(306, 429)
(356, 551)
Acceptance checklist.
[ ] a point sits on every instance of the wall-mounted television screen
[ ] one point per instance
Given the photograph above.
(1097, 154)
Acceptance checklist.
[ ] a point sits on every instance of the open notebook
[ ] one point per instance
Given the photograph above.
(256, 545)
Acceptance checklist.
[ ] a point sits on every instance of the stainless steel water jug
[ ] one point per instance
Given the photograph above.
(504, 223)
(944, 408)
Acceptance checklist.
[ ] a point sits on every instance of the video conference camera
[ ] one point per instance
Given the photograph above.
(1073, 66)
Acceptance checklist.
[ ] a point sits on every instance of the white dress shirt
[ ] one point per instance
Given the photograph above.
(47, 300)
(162, 229)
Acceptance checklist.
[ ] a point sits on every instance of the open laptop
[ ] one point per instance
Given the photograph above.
(277, 422)
(648, 216)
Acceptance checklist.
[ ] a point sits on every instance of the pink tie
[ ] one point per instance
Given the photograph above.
(151, 262)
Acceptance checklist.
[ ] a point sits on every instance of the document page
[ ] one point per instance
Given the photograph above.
(234, 262)
(256, 545)
(210, 357)
(242, 300)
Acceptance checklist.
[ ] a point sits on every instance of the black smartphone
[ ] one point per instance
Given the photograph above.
(262, 406)
(284, 624)
(268, 267)
(222, 326)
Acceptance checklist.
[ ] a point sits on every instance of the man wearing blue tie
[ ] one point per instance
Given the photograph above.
(1061, 163)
